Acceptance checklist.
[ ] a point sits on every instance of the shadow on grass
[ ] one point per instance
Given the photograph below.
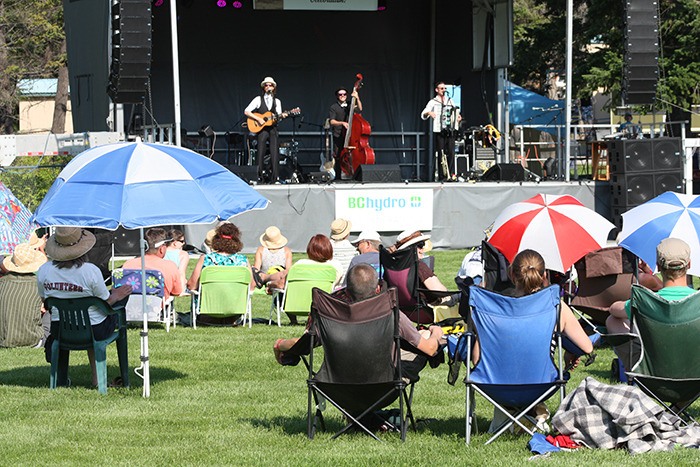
(38, 376)
(296, 425)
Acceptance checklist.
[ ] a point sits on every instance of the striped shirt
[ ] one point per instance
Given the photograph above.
(20, 311)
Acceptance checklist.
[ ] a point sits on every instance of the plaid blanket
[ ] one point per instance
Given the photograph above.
(603, 416)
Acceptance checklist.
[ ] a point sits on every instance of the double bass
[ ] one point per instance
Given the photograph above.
(356, 149)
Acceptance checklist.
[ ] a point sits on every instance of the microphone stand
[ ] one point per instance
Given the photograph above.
(325, 146)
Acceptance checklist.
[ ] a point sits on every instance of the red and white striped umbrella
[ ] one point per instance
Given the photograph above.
(559, 227)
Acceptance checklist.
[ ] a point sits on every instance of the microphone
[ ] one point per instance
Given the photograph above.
(447, 93)
(301, 120)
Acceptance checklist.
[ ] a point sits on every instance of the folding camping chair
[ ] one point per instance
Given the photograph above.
(604, 277)
(361, 369)
(516, 367)
(668, 366)
(295, 298)
(400, 270)
(223, 291)
(159, 309)
(75, 333)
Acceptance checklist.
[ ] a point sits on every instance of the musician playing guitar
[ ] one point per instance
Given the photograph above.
(260, 105)
(446, 117)
(338, 118)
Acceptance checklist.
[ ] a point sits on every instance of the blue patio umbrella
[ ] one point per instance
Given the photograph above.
(668, 215)
(140, 185)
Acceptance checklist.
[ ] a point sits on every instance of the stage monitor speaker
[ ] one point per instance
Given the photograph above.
(641, 72)
(131, 51)
(247, 173)
(645, 155)
(319, 177)
(505, 173)
(385, 173)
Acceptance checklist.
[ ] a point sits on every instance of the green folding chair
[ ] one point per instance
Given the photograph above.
(296, 296)
(668, 368)
(224, 291)
(75, 333)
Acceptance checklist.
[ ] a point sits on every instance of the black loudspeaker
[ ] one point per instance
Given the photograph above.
(645, 155)
(126, 242)
(319, 177)
(131, 51)
(641, 66)
(505, 173)
(642, 169)
(633, 189)
(247, 173)
(385, 173)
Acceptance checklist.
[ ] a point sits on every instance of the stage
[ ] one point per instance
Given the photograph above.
(456, 214)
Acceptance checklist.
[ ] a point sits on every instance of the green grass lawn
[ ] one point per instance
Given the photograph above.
(218, 397)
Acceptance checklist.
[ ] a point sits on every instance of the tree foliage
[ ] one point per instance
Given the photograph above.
(598, 48)
(31, 36)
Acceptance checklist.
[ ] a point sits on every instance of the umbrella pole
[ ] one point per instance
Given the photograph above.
(145, 364)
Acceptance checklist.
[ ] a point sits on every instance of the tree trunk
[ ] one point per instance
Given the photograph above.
(6, 85)
(61, 103)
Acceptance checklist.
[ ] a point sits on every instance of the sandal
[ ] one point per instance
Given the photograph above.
(256, 277)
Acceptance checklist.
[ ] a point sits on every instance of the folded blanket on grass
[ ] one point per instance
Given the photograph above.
(604, 416)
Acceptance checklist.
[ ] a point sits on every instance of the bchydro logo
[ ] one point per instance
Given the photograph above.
(381, 203)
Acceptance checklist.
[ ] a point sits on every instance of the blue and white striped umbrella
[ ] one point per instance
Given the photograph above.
(668, 215)
(143, 185)
(139, 185)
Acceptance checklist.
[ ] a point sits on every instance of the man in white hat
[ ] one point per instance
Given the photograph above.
(367, 245)
(267, 102)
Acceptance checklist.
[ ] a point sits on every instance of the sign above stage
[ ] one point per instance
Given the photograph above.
(317, 5)
(386, 210)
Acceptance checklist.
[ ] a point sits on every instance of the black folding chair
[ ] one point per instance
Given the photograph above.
(361, 368)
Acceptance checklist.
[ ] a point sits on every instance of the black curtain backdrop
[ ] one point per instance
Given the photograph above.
(226, 52)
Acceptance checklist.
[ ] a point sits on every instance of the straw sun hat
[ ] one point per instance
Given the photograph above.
(273, 239)
(340, 228)
(69, 243)
(25, 259)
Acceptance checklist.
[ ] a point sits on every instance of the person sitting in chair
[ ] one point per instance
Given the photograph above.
(69, 275)
(363, 283)
(367, 245)
(673, 261)
(527, 271)
(158, 240)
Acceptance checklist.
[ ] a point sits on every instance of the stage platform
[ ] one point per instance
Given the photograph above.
(455, 214)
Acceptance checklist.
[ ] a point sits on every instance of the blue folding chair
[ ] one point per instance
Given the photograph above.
(517, 339)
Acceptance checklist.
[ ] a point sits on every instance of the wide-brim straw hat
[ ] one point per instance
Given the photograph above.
(273, 239)
(340, 228)
(268, 79)
(414, 236)
(69, 243)
(25, 259)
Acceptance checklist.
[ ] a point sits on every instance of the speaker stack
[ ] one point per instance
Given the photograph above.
(641, 67)
(642, 169)
(131, 51)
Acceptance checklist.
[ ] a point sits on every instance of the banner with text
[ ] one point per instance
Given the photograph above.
(387, 210)
(317, 5)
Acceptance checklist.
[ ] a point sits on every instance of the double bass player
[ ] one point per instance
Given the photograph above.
(338, 119)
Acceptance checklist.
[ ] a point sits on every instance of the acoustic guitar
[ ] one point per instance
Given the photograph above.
(270, 119)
